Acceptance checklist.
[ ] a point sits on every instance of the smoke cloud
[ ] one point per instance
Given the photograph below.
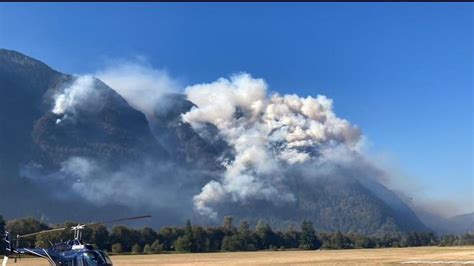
(139, 185)
(272, 137)
(82, 92)
(269, 132)
(141, 85)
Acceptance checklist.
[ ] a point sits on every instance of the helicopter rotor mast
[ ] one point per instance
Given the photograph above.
(78, 231)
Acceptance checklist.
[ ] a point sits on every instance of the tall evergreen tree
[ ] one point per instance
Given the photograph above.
(188, 231)
(117, 248)
(228, 225)
(136, 249)
(26, 226)
(199, 239)
(2, 235)
(339, 241)
(183, 244)
(244, 228)
(266, 235)
(148, 235)
(247, 237)
(156, 247)
(147, 249)
(100, 236)
(308, 239)
(167, 236)
(125, 236)
(291, 238)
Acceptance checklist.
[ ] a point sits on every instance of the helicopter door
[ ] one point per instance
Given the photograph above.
(79, 261)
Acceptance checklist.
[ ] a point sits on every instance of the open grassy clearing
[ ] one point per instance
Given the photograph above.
(409, 256)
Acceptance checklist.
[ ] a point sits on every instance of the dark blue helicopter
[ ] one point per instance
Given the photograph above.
(70, 253)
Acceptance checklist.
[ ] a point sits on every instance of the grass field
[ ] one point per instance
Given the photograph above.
(410, 256)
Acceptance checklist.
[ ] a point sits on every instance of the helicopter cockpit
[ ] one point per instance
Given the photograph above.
(95, 258)
(87, 258)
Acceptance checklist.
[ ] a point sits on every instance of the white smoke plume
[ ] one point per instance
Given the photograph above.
(140, 84)
(119, 185)
(272, 136)
(268, 132)
(137, 185)
(81, 92)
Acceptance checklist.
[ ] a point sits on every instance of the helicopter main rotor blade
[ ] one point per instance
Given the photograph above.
(43, 232)
(91, 224)
(120, 220)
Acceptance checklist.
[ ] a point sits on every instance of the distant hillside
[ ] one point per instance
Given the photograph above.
(332, 204)
(458, 224)
(464, 222)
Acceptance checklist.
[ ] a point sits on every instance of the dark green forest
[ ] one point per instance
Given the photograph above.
(227, 237)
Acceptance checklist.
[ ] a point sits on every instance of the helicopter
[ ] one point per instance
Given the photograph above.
(69, 253)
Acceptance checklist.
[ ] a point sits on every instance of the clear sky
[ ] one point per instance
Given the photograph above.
(402, 72)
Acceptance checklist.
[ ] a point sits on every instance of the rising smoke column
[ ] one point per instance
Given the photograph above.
(78, 95)
(141, 85)
(269, 133)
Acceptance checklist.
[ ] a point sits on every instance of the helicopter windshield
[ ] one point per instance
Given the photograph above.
(106, 257)
(93, 259)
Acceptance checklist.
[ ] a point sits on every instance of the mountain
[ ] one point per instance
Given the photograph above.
(24, 81)
(180, 140)
(65, 138)
(30, 130)
(114, 132)
(465, 222)
(332, 204)
(458, 224)
(29, 133)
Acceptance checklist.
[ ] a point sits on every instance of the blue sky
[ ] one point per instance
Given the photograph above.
(402, 72)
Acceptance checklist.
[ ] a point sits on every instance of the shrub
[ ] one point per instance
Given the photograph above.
(117, 248)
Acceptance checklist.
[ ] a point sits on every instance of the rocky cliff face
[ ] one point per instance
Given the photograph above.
(181, 141)
(113, 132)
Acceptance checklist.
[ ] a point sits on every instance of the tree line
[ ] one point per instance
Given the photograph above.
(227, 237)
